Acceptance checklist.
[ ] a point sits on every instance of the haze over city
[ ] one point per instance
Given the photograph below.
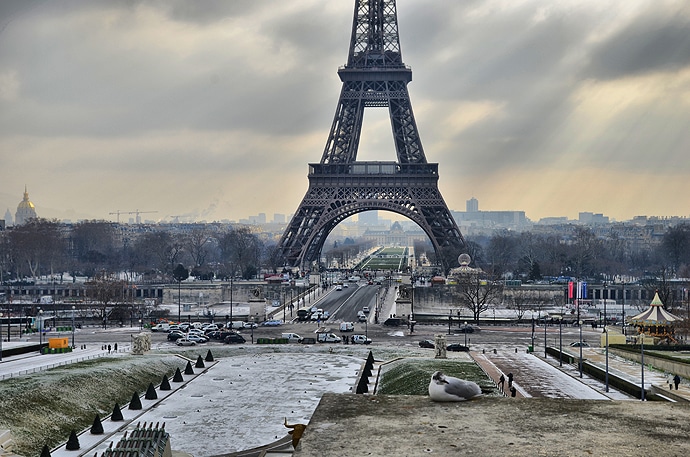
(212, 110)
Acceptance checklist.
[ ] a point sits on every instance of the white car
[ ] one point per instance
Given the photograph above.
(360, 339)
(365, 309)
(185, 342)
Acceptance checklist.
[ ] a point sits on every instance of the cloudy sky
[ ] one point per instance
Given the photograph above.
(213, 109)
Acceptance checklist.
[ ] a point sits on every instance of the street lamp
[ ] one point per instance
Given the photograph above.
(560, 341)
(450, 320)
(642, 364)
(464, 330)
(544, 335)
(73, 308)
(251, 323)
(606, 329)
(579, 323)
(40, 331)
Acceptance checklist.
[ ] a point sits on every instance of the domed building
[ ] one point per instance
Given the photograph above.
(25, 210)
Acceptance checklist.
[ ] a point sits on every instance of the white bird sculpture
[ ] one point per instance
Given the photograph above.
(448, 388)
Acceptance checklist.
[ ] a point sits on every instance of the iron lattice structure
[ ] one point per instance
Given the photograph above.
(339, 185)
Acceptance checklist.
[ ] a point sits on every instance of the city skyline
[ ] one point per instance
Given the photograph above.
(212, 110)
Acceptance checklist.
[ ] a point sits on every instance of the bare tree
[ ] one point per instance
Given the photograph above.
(36, 243)
(104, 291)
(478, 292)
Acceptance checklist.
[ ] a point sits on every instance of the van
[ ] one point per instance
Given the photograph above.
(162, 327)
(328, 338)
(347, 327)
(292, 337)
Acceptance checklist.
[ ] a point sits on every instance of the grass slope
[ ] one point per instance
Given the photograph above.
(43, 408)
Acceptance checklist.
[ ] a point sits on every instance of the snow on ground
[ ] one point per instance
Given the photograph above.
(241, 402)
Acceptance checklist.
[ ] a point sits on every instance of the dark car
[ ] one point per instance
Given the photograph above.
(174, 336)
(456, 347)
(577, 344)
(429, 344)
(469, 329)
(234, 338)
(393, 322)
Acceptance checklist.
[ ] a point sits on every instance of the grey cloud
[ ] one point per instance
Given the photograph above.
(650, 43)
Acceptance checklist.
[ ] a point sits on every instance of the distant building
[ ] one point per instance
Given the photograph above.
(25, 210)
(472, 205)
(8, 217)
(278, 218)
(592, 218)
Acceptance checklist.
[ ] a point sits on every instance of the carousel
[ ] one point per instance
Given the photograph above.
(656, 322)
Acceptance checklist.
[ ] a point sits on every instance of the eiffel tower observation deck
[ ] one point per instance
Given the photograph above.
(339, 185)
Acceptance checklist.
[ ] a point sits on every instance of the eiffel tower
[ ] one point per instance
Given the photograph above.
(339, 185)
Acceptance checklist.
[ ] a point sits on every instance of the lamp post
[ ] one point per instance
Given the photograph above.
(232, 275)
(40, 331)
(623, 310)
(1, 336)
(642, 364)
(606, 329)
(579, 323)
(603, 293)
(450, 320)
(545, 336)
(73, 308)
(251, 323)
(560, 341)
(465, 332)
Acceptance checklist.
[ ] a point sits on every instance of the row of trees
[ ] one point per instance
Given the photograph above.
(46, 247)
(581, 254)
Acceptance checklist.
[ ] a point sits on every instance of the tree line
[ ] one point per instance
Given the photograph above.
(47, 247)
(89, 248)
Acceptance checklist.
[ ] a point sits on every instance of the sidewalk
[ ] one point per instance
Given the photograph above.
(631, 371)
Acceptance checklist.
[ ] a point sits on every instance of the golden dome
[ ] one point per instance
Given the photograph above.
(25, 203)
(25, 210)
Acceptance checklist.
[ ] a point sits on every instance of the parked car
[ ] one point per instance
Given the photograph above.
(197, 338)
(210, 328)
(273, 323)
(429, 344)
(577, 344)
(393, 322)
(456, 347)
(469, 329)
(249, 325)
(185, 342)
(176, 335)
(360, 339)
(234, 338)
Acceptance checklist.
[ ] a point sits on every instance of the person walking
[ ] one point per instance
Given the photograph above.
(501, 381)
(109, 348)
(676, 381)
(510, 379)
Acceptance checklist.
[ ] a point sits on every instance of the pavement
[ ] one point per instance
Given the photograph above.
(295, 393)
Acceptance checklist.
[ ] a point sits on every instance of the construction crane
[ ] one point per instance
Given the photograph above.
(137, 212)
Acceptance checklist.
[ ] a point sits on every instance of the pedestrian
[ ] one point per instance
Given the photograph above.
(510, 379)
(115, 347)
(513, 391)
(109, 349)
(676, 381)
(501, 381)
